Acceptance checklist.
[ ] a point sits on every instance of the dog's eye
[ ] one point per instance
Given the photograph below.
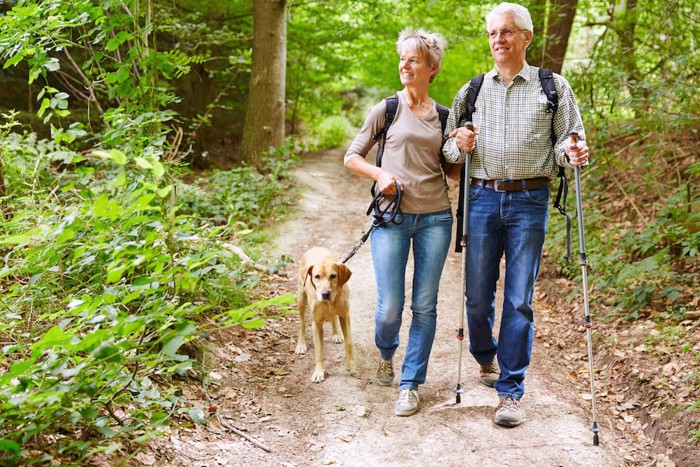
(333, 276)
(317, 276)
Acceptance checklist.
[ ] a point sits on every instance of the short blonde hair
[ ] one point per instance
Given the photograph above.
(426, 44)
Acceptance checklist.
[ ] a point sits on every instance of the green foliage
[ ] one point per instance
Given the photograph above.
(106, 269)
(332, 132)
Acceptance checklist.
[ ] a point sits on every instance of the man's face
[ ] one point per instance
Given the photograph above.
(507, 41)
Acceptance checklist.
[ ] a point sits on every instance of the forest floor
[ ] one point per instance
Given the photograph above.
(259, 389)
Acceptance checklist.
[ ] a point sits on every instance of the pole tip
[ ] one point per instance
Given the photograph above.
(596, 441)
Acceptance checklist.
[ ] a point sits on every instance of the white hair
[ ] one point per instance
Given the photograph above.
(520, 14)
(426, 44)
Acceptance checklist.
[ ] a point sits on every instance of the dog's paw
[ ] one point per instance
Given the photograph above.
(350, 366)
(338, 339)
(318, 375)
(301, 348)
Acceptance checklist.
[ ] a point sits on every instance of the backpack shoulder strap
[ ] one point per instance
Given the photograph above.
(392, 103)
(547, 82)
(472, 93)
(443, 113)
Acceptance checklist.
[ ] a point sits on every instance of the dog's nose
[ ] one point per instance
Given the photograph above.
(326, 295)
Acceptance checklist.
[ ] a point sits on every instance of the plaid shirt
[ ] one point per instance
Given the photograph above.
(514, 140)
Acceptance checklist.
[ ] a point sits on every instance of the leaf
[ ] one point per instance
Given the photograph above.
(143, 163)
(158, 169)
(165, 191)
(197, 415)
(9, 446)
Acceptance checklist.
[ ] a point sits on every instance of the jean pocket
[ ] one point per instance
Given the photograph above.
(442, 217)
(475, 192)
(540, 196)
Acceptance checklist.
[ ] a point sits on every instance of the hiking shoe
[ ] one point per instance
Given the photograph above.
(489, 374)
(508, 412)
(407, 403)
(385, 372)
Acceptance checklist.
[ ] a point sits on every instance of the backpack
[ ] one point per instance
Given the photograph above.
(547, 83)
(392, 103)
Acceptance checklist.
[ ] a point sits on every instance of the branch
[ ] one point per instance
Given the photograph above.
(241, 434)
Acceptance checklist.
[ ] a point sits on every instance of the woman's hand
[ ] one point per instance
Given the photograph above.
(386, 182)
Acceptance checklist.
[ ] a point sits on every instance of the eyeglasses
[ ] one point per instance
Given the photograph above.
(503, 32)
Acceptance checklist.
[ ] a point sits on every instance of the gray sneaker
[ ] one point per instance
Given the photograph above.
(508, 412)
(407, 403)
(489, 374)
(385, 372)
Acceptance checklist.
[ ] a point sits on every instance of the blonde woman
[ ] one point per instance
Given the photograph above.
(411, 160)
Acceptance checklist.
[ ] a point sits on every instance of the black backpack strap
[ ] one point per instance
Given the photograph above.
(472, 93)
(547, 82)
(470, 106)
(443, 113)
(392, 103)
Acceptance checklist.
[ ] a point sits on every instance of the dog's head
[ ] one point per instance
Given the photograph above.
(327, 279)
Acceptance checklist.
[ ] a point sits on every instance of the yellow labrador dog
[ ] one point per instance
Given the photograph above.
(322, 286)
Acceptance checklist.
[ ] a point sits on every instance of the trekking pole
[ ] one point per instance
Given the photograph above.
(463, 242)
(587, 323)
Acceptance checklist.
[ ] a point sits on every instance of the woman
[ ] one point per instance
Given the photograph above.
(411, 159)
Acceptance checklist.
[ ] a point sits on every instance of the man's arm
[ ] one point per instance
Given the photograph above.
(450, 150)
(568, 120)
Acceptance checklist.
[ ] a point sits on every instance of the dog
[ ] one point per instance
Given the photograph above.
(323, 288)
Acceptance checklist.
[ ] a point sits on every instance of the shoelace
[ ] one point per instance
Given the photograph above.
(405, 396)
(509, 404)
(386, 366)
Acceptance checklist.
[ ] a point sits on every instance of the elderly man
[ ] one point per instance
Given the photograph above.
(514, 155)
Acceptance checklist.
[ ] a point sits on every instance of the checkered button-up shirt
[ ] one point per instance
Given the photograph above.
(514, 140)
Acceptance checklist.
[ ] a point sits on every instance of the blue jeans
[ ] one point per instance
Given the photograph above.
(514, 223)
(430, 236)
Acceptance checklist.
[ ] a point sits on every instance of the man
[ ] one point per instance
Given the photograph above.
(510, 168)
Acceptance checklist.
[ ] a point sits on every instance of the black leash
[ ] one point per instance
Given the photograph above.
(393, 207)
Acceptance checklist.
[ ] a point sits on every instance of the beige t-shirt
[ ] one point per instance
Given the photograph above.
(412, 154)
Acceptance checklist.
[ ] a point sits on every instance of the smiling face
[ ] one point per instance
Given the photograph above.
(414, 69)
(508, 51)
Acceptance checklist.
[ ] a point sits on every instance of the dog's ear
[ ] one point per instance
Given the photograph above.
(344, 273)
(309, 272)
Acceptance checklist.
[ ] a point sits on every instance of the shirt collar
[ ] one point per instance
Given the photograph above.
(525, 73)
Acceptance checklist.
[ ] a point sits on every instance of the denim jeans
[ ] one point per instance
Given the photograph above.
(429, 237)
(514, 223)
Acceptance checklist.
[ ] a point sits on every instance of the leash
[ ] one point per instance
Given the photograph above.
(393, 207)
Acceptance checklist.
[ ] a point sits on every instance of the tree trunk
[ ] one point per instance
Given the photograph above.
(626, 31)
(264, 120)
(549, 50)
(560, 20)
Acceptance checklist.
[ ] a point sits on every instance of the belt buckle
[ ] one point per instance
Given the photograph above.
(497, 185)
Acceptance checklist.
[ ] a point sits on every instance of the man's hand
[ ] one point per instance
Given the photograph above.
(465, 138)
(576, 151)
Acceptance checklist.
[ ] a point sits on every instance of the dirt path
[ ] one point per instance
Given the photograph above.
(348, 420)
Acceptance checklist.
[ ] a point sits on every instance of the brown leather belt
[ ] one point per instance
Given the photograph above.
(512, 185)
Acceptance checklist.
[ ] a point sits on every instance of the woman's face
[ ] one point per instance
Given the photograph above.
(414, 69)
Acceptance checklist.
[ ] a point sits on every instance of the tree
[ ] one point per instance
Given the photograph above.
(265, 114)
(556, 19)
